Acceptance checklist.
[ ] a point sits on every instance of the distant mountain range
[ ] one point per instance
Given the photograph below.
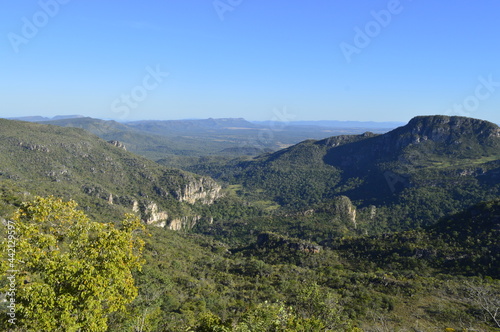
(224, 123)
(177, 142)
(183, 126)
(37, 118)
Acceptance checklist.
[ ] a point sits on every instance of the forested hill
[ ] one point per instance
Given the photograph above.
(432, 166)
(424, 140)
(340, 234)
(101, 176)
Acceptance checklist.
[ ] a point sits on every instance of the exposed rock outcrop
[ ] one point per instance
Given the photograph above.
(185, 222)
(202, 190)
(343, 207)
(152, 215)
(339, 140)
(118, 144)
(34, 147)
(442, 128)
(422, 136)
(154, 209)
(135, 206)
(449, 130)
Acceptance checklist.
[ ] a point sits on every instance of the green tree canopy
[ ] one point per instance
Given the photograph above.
(73, 272)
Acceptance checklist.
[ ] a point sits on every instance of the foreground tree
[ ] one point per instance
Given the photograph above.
(485, 297)
(73, 272)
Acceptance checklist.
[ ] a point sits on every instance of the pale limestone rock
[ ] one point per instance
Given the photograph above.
(183, 223)
(135, 207)
(153, 216)
(345, 209)
(202, 190)
(118, 144)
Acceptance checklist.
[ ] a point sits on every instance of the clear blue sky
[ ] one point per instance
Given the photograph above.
(250, 58)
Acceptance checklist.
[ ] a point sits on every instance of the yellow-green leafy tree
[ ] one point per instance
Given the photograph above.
(73, 272)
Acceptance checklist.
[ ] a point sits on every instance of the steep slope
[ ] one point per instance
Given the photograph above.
(101, 176)
(421, 141)
(430, 167)
(431, 148)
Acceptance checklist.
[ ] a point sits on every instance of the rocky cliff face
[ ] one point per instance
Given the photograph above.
(152, 215)
(185, 222)
(443, 129)
(193, 190)
(118, 144)
(422, 136)
(344, 208)
(202, 190)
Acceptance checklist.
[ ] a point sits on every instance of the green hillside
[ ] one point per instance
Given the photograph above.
(180, 143)
(146, 143)
(371, 232)
(103, 177)
(413, 175)
(394, 282)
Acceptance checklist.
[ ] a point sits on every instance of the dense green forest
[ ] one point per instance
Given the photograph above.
(414, 174)
(372, 232)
